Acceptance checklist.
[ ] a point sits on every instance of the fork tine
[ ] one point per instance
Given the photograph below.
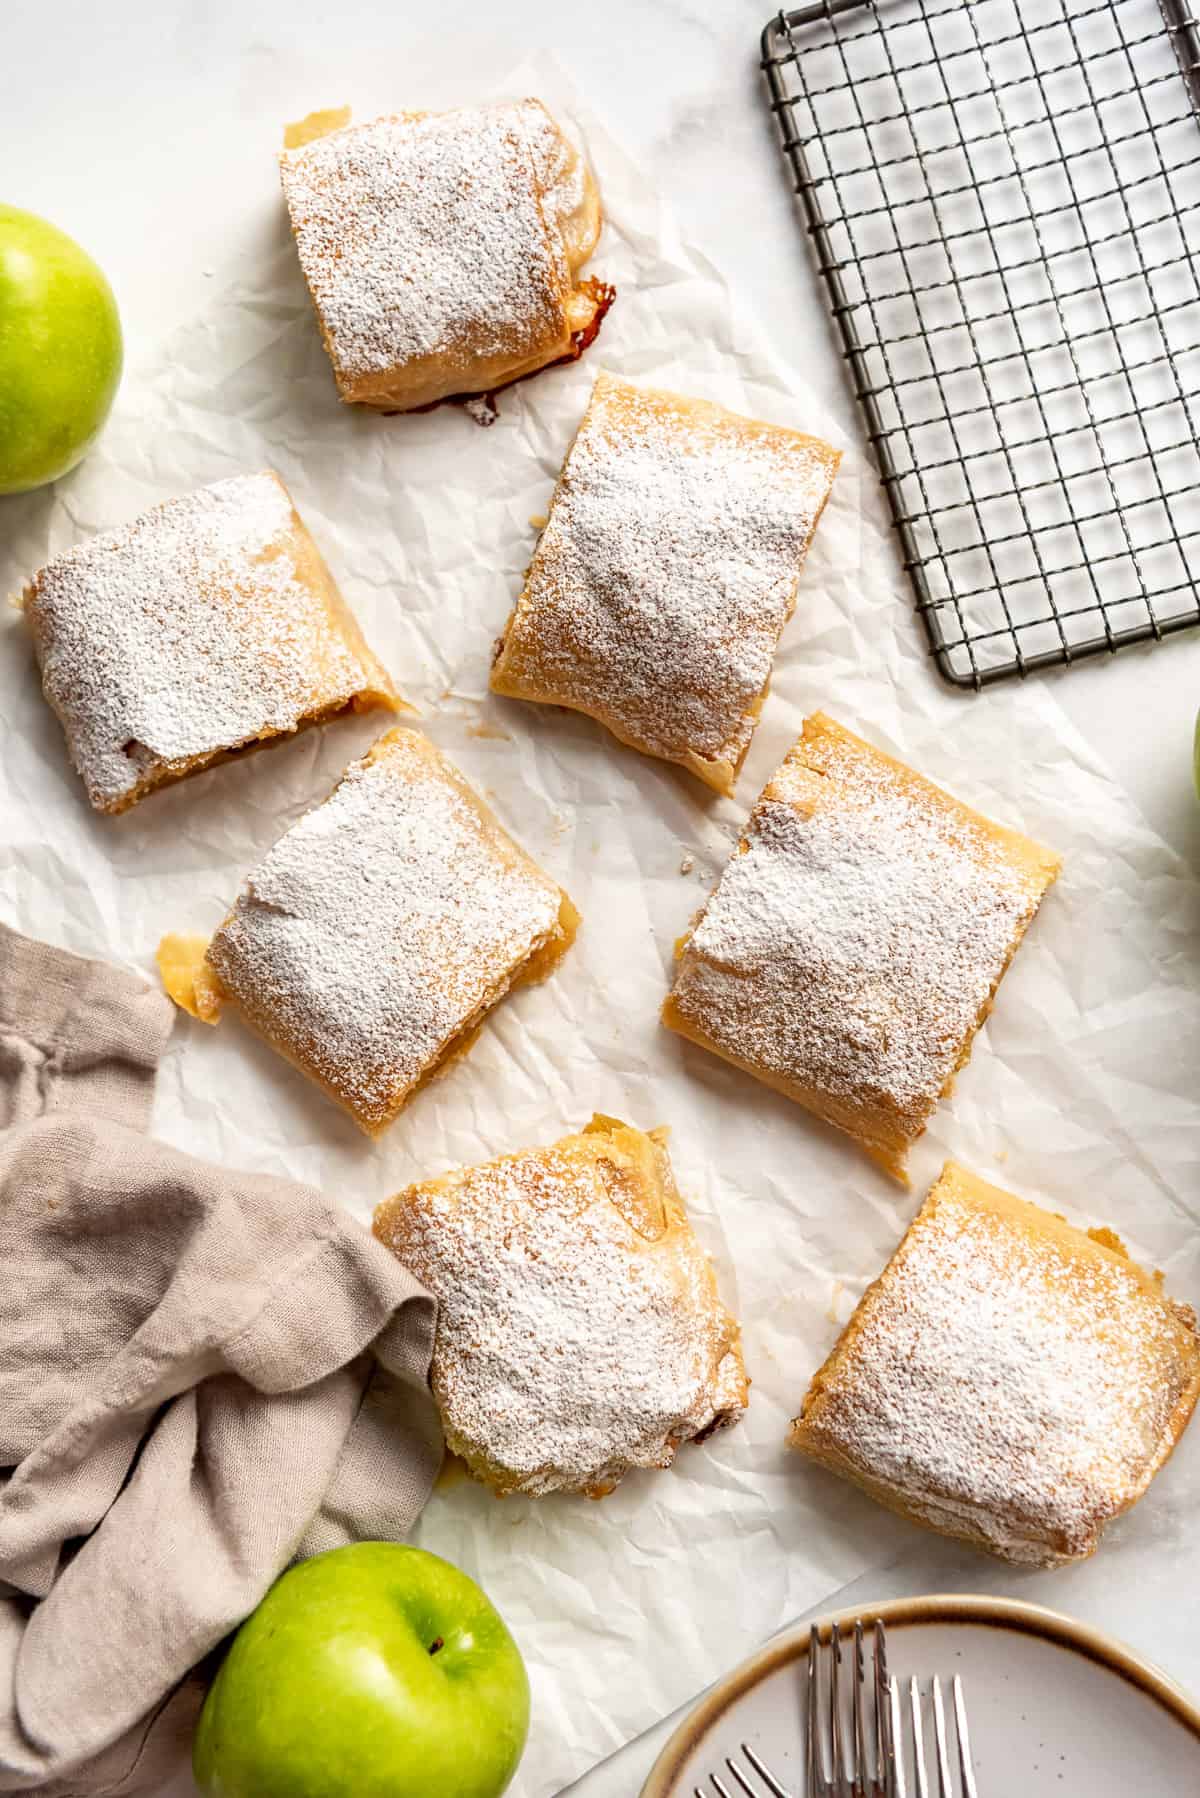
(964, 1740)
(941, 1746)
(741, 1779)
(860, 1737)
(764, 1772)
(919, 1774)
(896, 1742)
(814, 1760)
(885, 1773)
(835, 1710)
(882, 1715)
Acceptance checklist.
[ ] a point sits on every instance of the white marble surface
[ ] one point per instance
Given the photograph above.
(131, 126)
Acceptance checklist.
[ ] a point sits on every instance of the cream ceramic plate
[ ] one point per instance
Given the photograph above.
(1055, 1708)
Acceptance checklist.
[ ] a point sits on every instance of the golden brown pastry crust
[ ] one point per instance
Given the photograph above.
(579, 1330)
(1007, 1380)
(856, 939)
(443, 251)
(204, 629)
(666, 573)
(375, 938)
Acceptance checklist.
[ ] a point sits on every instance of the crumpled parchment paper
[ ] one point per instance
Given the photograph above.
(1081, 1092)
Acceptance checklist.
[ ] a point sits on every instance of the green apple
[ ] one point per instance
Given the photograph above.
(375, 1671)
(60, 351)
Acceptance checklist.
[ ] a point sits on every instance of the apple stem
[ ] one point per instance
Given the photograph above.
(437, 1643)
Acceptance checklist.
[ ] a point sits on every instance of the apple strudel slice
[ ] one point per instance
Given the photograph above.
(1008, 1379)
(372, 942)
(580, 1334)
(443, 250)
(855, 941)
(205, 628)
(665, 574)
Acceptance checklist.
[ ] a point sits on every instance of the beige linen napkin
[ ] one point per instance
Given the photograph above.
(202, 1375)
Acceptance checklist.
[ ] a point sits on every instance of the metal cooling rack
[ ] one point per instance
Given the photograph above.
(1003, 198)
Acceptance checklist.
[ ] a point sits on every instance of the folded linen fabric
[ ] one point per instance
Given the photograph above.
(203, 1374)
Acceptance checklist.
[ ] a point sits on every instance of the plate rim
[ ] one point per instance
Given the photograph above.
(1012, 1613)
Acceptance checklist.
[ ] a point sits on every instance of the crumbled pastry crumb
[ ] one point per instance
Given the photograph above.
(687, 864)
(314, 125)
(186, 977)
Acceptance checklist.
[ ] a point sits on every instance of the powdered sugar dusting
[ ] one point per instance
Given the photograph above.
(423, 236)
(561, 175)
(378, 927)
(186, 633)
(667, 571)
(569, 1348)
(1007, 1381)
(852, 944)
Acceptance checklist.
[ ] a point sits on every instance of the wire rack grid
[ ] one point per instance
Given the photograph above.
(1003, 198)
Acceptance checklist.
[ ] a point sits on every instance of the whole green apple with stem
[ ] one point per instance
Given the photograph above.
(375, 1671)
(60, 351)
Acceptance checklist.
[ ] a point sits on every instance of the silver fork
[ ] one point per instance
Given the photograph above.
(863, 1769)
(872, 1765)
(769, 1782)
(941, 1741)
(859, 1767)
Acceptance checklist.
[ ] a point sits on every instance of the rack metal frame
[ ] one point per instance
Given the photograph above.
(1010, 602)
